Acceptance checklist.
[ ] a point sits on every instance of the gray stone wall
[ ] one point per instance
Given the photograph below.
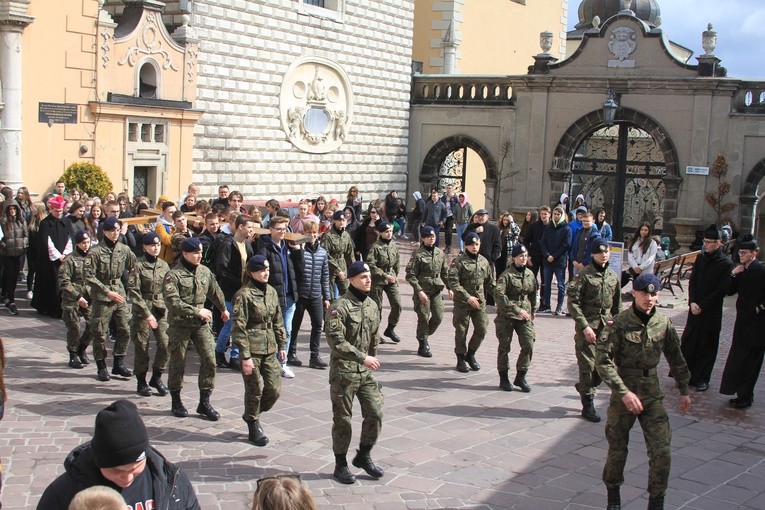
(245, 49)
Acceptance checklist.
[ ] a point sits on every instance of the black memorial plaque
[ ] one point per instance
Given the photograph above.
(57, 113)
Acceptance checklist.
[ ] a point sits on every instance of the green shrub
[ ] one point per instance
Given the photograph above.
(87, 177)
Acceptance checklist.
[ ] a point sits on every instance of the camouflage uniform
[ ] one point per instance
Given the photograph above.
(185, 293)
(427, 272)
(72, 276)
(469, 275)
(339, 246)
(109, 264)
(350, 328)
(594, 297)
(627, 355)
(516, 290)
(258, 332)
(383, 260)
(145, 290)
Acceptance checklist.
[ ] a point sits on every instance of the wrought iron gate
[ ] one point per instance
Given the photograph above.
(620, 168)
(452, 171)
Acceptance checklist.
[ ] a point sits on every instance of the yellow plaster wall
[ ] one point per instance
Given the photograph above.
(58, 51)
(423, 33)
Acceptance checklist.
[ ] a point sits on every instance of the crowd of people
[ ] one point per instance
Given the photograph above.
(236, 280)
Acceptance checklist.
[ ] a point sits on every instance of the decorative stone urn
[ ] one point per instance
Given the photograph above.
(685, 232)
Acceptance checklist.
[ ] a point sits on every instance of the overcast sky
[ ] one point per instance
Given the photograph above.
(740, 27)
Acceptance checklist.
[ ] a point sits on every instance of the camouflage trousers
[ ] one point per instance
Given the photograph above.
(140, 332)
(342, 286)
(462, 315)
(526, 337)
(343, 387)
(71, 314)
(101, 316)
(657, 434)
(261, 396)
(394, 300)
(589, 379)
(204, 344)
(429, 315)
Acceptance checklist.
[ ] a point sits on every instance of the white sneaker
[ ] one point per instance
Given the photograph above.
(287, 372)
(29, 295)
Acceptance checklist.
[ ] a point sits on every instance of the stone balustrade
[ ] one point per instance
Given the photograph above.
(462, 90)
(749, 98)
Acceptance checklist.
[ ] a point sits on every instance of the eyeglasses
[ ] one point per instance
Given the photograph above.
(279, 229)
(293, 476)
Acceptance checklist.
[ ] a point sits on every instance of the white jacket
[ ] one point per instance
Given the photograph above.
(645, 261)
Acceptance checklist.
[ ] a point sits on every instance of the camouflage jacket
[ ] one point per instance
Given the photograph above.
(594, 297)
(629, 352)
(350, 329)
(73, 275)
(383, 260)
(516, 290)
(469, 276)
(185, 294)
(427, 270)
(339, 248)
(109, 264)
(145, 286)
(258, 328)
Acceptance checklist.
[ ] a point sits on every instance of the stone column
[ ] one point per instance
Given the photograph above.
(13, 20)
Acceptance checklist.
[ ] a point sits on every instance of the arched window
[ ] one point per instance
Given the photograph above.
(148, 81)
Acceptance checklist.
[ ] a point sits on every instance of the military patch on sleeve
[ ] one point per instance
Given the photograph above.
(167, 278)
(333, 313)
(334, 324)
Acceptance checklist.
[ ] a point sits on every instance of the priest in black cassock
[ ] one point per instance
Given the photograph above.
(748, 346)
(706, 291)
(53, 244)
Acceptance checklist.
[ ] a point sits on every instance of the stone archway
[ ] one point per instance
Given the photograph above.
(582, 128)
(749, 197)
(438, 153)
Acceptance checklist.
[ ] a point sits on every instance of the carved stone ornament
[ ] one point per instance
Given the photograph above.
(316, 105)
(622, 42)
(546, 42)
(709, 40)
(149, 43)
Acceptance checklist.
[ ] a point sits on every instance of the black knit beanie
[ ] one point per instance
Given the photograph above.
(120, 437)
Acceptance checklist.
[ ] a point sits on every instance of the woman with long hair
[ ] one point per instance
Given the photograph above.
(366, 234)
(92, 220)
(319, 206)
(12, 248)
(33, 228)
(353, 199)
(528, 219)
(25, 202)
(75, 195)
(509, 232)
(641, 253)
(603, 226)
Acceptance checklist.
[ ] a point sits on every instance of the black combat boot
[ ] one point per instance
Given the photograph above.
(520, 381)
(317, 362)
(220, 360)
(256, 435)
(588, 409)
(424, 349)
(461, 365)
(156, 383)
(470, 358)
(103, 374)
(504, 382)
(614, 499)
(177, 407)
(204, 408)
(74, 361)
(656, 503)
(363, 461)
(82, 353)
(143, 388)
(342, 474)
(391, 334)
(293, 360)
(119, 368)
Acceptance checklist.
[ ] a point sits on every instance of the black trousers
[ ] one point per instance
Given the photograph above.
(11, 268)
(448, 226)
(315, 309)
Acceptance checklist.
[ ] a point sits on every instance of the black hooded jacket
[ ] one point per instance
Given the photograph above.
(172, 488)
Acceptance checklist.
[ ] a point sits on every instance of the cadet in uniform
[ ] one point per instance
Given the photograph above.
(352, 322)
(383, 263)
(626, 359)
(427, 272)
(594, 297)
(339, 246)
(469, 276)
(149, 314)
(72, 276)
(187, 285)
(259, 334)
(110, 259)
(516, 298)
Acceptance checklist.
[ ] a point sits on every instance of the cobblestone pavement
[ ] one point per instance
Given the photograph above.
(449, 440)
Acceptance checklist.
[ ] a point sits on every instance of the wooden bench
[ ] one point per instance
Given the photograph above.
(685, 266)
(665, 270)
